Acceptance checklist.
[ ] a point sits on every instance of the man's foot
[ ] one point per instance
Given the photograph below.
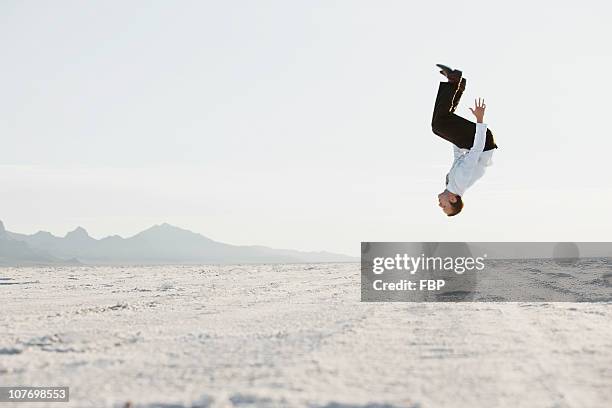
(453, 75)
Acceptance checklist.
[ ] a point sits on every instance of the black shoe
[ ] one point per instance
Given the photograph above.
(453, 75)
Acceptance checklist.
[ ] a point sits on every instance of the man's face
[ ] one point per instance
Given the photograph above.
(445, 199)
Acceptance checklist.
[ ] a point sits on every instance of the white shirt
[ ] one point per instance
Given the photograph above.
(469, 165)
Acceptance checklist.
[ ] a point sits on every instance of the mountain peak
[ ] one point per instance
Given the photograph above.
(79, 233)
(163, 228)
(169, 232)
(167, 226)
(2, 230)
(43, 234)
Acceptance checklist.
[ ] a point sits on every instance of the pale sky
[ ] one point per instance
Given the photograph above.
(302, 125)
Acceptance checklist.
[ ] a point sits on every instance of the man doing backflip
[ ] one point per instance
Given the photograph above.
(473, 143)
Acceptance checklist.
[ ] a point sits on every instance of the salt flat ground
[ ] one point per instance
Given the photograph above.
(289, 335)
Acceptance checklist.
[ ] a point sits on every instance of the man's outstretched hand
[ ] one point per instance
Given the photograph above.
(479, 109)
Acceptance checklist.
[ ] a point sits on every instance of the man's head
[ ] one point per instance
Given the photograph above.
(450, 203)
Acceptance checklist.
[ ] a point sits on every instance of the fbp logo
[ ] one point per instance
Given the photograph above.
(431, 284)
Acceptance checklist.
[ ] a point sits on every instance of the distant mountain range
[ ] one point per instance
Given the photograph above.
(160, 244)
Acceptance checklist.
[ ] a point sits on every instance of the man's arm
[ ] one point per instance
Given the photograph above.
(471, 158)
(479, 109)
(456, 152)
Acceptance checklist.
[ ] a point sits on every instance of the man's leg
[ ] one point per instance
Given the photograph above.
(449, 126)
(449, 94)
